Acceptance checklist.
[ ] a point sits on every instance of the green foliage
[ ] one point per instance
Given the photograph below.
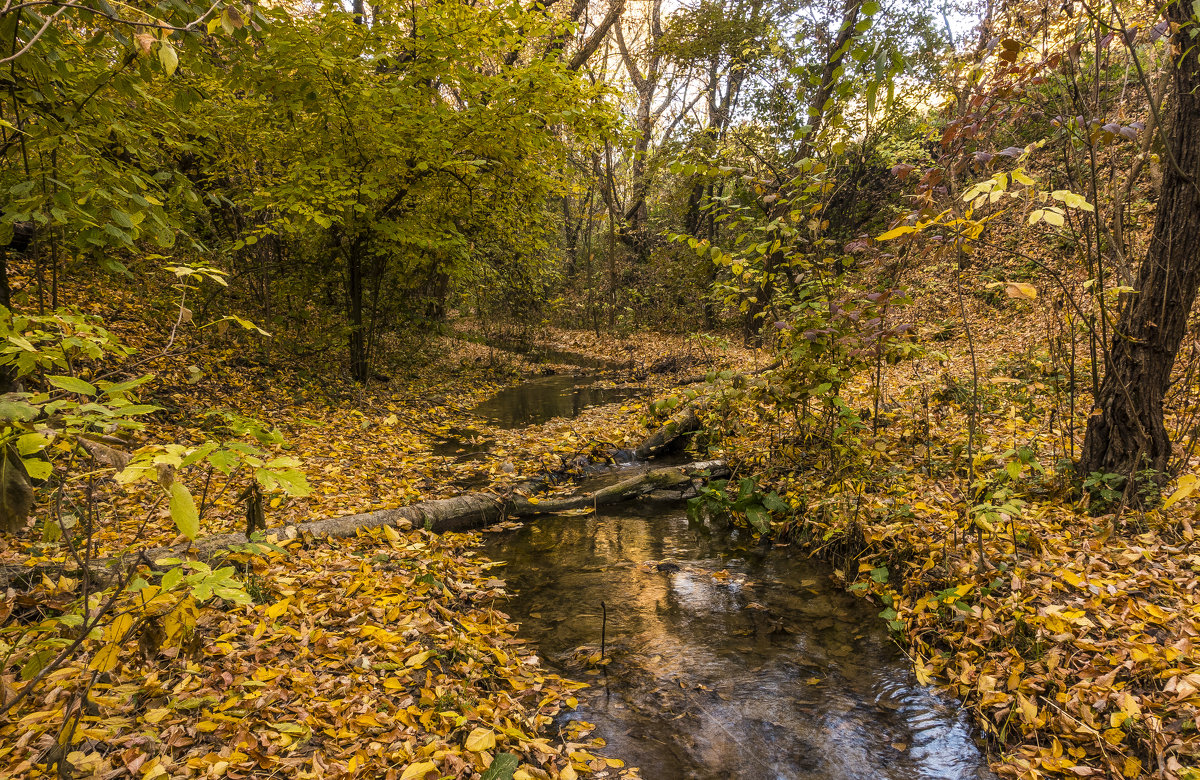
(412, 163)
(503, 766)
(749, 502)
(56, 428)
(1105, 491)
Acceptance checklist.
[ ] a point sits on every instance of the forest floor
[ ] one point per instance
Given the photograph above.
(1071, 641)
(291, 684)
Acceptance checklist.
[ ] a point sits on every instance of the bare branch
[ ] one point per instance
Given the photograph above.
(591, 44)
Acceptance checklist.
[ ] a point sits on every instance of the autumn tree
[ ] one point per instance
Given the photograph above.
(1126, 432)
(393, 160)
(831, 83)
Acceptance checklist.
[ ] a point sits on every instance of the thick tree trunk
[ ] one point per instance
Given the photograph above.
(1126, 432)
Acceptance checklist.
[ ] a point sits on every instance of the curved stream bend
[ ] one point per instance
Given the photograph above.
(729, 659)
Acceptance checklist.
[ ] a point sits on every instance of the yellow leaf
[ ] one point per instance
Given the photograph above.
(1186, 486)
(1155, 612)
(419, 659)
(183, 511)
(1130, 706)
(480, 740)
(1029, 710)
(568, 773)
(923, 672)
(277, 609)
(119, 627)
(418, 771)
(1133, 767)
(106, 659)
(1021, 290)
(155, 715)
(895, 233)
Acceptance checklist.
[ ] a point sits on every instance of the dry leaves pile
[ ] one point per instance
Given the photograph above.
(382, 656)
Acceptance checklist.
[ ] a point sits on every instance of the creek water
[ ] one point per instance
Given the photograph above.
(727, 658)
(537, 400)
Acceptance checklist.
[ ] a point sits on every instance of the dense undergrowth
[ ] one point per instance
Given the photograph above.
(1062, 618)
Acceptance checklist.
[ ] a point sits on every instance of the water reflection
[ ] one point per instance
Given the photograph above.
(462, 444)
(544, 398)
(730, 660)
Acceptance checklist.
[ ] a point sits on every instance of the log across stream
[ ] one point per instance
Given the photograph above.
(464, 512)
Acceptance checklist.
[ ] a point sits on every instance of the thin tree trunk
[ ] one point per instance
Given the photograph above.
(5, 290)
(358, 346)
(645, 85)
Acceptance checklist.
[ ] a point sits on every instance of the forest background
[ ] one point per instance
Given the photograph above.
(935, 265)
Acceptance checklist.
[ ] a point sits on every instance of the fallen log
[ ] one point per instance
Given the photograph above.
(475, 510)
(685, 421)
(460, 513)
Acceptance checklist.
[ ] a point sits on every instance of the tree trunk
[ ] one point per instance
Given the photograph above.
(1126, 432)
(358, 345)
(818, 114)
(5, 290)
(637, 215)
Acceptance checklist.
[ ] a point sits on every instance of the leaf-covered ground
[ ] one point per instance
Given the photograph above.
(381, 656)
(1072, 643)
(373, 657)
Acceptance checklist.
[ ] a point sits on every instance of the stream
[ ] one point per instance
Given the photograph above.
(536, 401)
(727, 658)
